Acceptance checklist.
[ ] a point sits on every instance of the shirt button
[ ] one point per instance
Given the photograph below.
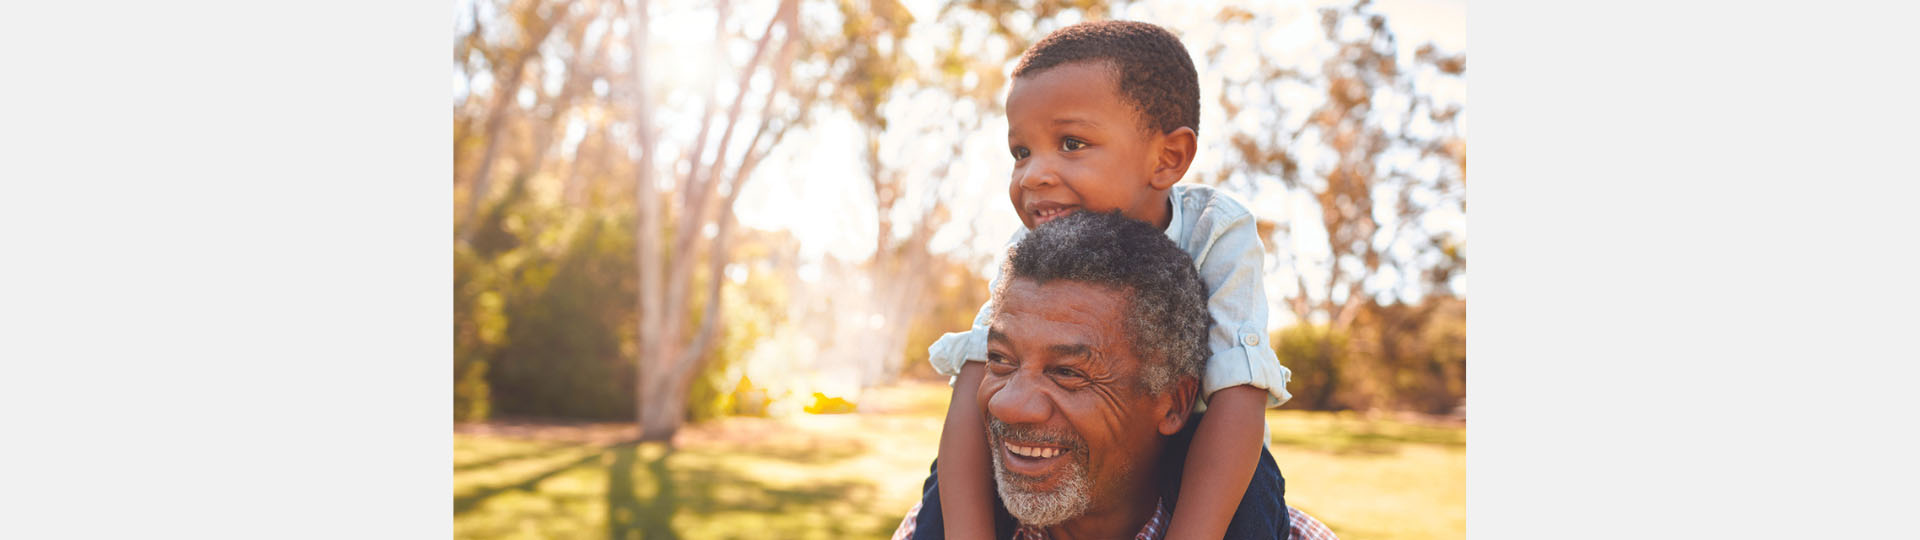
(1250, 340)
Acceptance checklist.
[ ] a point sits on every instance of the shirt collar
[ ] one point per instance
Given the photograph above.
(1176, 225)
(1155, 529)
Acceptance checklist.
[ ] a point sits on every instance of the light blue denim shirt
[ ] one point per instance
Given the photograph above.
(1220, 234)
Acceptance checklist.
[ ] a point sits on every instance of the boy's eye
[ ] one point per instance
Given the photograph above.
(1070, 144)
(1020, 152)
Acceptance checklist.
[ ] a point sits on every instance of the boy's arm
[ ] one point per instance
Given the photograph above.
(1242, 377)
(966, 485)
(1226, 448)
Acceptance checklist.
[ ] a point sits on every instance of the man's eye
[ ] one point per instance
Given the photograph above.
(1070, 144)
(997, 358)
(1020, 152)
(1069, 372)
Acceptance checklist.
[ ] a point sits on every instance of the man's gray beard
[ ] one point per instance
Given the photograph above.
(1043, 508)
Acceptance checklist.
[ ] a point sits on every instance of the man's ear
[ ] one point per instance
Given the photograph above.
(1173, 156)
(1181, 408)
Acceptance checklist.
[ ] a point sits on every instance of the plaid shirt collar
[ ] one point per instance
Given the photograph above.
(1155, 528)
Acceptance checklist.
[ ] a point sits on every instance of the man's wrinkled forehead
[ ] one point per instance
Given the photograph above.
(1078, 317)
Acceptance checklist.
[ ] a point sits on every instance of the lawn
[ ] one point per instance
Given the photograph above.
(854, 475)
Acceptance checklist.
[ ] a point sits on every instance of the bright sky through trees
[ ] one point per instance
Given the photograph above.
(872, 225)
(815, 187)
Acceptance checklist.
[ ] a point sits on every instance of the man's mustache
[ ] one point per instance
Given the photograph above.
(1037, 434)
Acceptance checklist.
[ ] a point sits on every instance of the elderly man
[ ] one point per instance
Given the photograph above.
(1093, 362)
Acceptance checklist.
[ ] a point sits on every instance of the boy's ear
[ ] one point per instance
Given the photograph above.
(1173, 156)
(1181, 408)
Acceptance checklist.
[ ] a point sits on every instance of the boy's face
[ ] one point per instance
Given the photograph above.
(1078, 145)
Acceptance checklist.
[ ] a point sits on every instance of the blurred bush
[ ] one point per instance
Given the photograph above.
(543, 306)
(544, 314)
(1397, 356)
(1315, 353)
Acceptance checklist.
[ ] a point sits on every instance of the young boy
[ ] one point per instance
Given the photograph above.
(1102, 117)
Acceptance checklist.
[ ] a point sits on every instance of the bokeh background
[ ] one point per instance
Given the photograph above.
(700, 249)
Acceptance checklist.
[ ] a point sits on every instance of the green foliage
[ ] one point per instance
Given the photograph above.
(1317, 356)
(478, 327)
(471, 396)
(543, 297)
(545, 315)
(567, 299)
(1409, 357)
(754, 306)
(1424, 349)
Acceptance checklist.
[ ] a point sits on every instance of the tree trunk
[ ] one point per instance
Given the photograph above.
(647, 368)
(670, 359)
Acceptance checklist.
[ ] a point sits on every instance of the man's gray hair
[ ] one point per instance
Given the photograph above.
(1166, 310)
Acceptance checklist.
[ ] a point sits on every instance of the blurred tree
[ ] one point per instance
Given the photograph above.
(756, 298)
(597, 165)
(1377, 146)
(531, 22)
(538, 73)
(672, 350)
(1378, 156)
(878, 84)
(870, 68)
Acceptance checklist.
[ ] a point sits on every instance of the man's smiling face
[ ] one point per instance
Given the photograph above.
(1070, 422)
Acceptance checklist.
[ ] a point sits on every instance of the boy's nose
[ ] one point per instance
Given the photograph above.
(1038, 175)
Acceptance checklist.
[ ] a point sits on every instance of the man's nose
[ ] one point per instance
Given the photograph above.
(1019, 402)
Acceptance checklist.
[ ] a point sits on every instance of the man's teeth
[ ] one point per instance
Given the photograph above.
(1033, 452)
(1050, 213)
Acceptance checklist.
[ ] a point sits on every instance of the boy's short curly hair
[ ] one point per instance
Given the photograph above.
(1150, 66)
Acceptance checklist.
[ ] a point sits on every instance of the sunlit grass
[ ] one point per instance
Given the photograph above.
(855, 475)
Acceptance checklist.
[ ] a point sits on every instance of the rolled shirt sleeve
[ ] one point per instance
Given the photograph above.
(955, 349)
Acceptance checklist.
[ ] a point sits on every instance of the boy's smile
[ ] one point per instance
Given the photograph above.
(1077, 144)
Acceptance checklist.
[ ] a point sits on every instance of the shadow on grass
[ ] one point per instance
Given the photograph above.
(536, 453)
(719, 502)
(462, 505)
(627, 517)
(649, 485)
(814, 453)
